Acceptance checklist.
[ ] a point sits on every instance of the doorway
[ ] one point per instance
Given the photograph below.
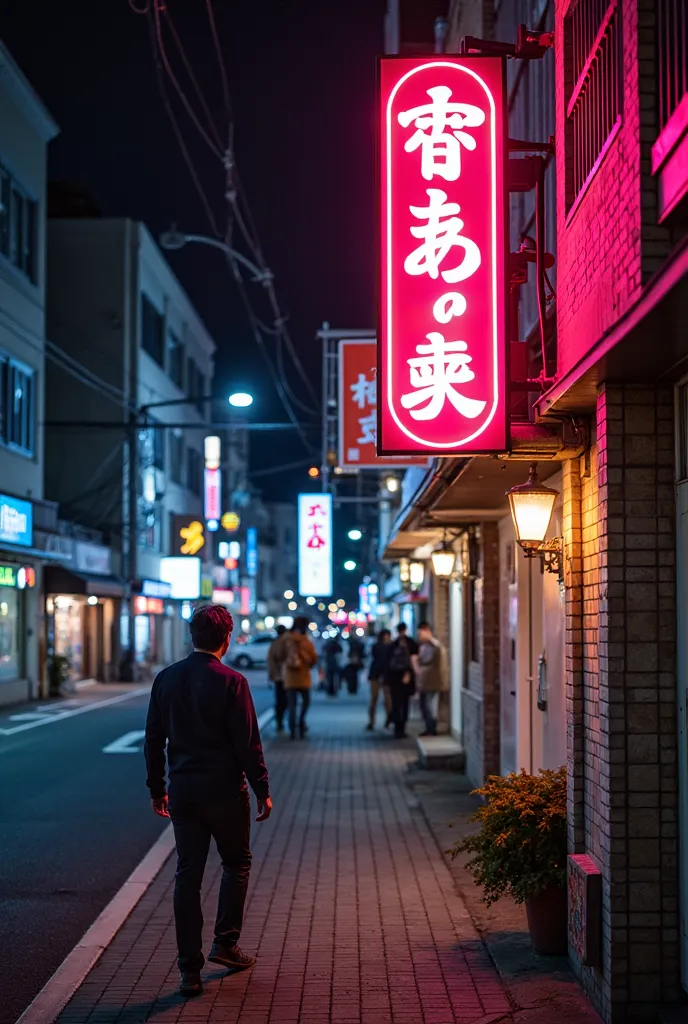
(508, 632)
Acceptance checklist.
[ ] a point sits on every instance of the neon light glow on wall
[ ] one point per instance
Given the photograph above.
(442, 339)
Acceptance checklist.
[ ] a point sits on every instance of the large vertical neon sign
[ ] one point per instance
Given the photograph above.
(442, 335)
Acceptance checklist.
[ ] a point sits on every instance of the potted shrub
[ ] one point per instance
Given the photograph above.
(520, 850)
(58, 674)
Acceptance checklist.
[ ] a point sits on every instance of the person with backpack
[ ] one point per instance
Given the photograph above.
(275, 677)
(296, 656)
(354, 664)
(400, 677)
(332, 650)
(432, 676)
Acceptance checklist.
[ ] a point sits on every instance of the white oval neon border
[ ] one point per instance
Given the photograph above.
(495, 326)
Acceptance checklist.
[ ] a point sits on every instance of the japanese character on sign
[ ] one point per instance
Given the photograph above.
(315, 538)
(441, 149)
(364, 390)
(368, 425)
(437, 367)
(441, 234)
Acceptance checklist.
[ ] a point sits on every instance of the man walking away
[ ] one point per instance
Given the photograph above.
(432, 676)
(296, 655)
(377, 678)
(202, 712)
(275, 677)
(332, 650)
(354, 664)
(400, 676)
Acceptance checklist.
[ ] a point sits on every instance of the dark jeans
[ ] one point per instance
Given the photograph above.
(351, 676)
(228, 822)
(429, 708)
(400, 708)
(280, 702)
(292, 697)
(332, 679)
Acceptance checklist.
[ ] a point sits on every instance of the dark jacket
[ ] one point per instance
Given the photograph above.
(380, 656)
(203, 712)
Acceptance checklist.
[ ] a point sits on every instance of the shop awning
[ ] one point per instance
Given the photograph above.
(60, 580)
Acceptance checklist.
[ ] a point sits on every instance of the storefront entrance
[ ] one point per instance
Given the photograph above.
(682, 677)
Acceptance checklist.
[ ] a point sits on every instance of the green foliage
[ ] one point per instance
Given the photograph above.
(58, 674)
(520, 850)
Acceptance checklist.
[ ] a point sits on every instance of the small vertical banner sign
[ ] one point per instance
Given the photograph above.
(358, 409)
(251, 551)
(212, 510)
(315, 545)
(442, 333)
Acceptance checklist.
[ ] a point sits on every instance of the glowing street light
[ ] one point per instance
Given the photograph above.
(355, 535)
(240, 400)
(349, 565)
(288, 595)
(310, 600)
(292, 606)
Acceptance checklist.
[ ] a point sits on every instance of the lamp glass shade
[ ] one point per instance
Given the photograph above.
(416, 574)
(443, 562)
(532, 505)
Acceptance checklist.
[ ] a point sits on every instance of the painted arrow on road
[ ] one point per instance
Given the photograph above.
(130, 743)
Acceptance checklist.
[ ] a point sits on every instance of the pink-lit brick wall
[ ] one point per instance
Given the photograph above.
(621, 694)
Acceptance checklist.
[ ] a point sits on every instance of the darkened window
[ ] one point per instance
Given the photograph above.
(177, 458)
(17, 406)
(195, 384)
(152, 331)
(159, 447)
(175, 358)
(194, 471)
(593, 75)
(17, 225)
(673, 56)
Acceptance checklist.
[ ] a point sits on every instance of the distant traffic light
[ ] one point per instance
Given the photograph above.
(314, 471)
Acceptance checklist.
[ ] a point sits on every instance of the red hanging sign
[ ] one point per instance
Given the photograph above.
(442, 338)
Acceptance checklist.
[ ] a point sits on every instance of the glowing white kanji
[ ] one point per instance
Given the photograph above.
(440, 235)
(439, 366)
(368, 425)
(440, 149)
(364, 391)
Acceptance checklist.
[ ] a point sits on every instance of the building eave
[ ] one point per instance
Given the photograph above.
(15, 83)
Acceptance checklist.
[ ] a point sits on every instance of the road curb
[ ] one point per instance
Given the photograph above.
(75, 968)
(57, 992)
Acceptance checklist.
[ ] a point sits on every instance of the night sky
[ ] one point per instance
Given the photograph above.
(302, 82)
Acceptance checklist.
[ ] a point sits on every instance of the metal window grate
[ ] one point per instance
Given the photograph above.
(672, 25)
(593, 55)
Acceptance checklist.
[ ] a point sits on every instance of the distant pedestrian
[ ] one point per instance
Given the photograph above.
(275, 677)
(432, 676)
(332, 651)
(401, 677)
(296, 657)
(356, 658)
(202, 714)
(377, 678)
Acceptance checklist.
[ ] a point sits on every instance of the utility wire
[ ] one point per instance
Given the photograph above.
(217, 150)
(221, 64)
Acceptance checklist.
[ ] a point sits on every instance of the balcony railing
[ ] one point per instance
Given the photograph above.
(670, 151)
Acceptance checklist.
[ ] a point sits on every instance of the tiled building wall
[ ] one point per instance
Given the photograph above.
(621, 695)
(481, 707)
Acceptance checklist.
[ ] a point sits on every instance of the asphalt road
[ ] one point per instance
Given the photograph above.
(74, 823)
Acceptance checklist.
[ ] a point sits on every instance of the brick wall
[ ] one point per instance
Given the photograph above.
(481, 700)
(621, 695)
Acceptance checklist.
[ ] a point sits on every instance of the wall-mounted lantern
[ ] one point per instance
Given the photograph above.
(531, 506)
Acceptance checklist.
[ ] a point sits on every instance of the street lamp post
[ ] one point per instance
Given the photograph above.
(174, 240)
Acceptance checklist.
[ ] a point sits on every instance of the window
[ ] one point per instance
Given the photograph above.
(175, 359)
(194, 471)
(593, 71)
(176, 458)
(195, 383)
(159, 448)
(673, 57)
(17, 225)
(17, 406)
(152, 331)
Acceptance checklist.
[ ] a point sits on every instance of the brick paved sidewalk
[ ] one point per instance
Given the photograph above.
(352, 911)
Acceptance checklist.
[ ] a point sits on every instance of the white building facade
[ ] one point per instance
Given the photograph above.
(26, 129)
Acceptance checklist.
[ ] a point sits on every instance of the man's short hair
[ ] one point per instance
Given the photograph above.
(402, 627)
(300, 624)
(210, 627)
(281, 629)
(425, 625)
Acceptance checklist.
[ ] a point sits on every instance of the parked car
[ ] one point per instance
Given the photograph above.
(253, 653)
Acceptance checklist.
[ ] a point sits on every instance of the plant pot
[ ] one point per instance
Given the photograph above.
(548, 922)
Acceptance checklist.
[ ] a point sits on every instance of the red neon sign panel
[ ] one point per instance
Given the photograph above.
(442, 348)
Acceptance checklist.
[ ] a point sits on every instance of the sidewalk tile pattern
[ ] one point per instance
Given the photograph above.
(352, 911)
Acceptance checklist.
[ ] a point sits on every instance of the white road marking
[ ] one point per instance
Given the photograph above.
(108, 702)
(130, 743)
(264, 717)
